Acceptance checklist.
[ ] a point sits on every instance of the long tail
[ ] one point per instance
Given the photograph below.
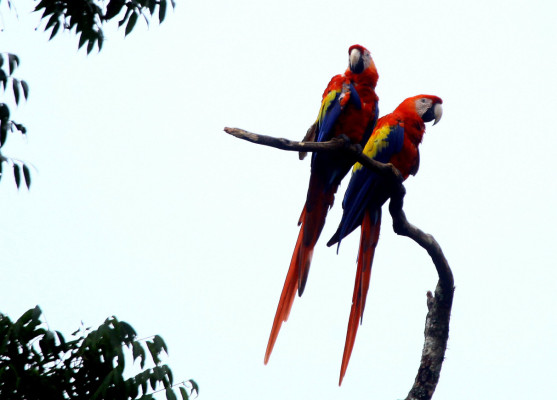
(371, 225)
(312, 221)
(289, 290)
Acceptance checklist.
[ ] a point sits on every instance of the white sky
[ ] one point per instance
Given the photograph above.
(143, 208)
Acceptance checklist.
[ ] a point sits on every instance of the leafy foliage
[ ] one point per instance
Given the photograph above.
(37, 363)
(8, 64)
(87, 17)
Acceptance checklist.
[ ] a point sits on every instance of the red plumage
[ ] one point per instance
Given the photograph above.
(349, 107)
(395, 140)
(368, 242)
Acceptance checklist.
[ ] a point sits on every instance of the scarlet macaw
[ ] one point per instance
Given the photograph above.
(348, 107)
(394, 140)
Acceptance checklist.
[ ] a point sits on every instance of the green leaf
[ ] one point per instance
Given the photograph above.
(28, 315)
(3, 131)
(168, 373)
(13, 62)
(153, 381)
(142, 380)
(27, 176)
(61, 339)
(126, 16)
(36, 313)
(54, 30)
(73, 22)
(184, 393)
(53, 19)
(131, 23)
(113, 8)
(42, 4)
(1, 60)
(170, 395)
(15, 87)
(194, 387)
(121, 359)
(17, 175)
(49, 9)
(46, 343)
(138, 351)
(100, 40)
(160, 344)
(20, 128)
(3, 79)
(4, 112)
(25, 88)
(82, 40)
(90, 46)
(132, 388)
(154, 353)
(152, 5)
(128, 330)
(162, 10)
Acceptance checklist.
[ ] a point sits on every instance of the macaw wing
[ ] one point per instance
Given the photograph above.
(386, 141)
(331, 108)
(416, 166)
(363, 190)
(355, 97)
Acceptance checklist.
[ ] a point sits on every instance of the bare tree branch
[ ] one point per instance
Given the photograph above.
(436, 333)
(439, 306)
(341, 143)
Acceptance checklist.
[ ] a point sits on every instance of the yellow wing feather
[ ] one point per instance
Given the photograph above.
(376, 143)
(325, 104)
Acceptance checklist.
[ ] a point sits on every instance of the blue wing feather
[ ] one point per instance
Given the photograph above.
(331, 115)
(333, 109)
(364, 189)
(355, 97)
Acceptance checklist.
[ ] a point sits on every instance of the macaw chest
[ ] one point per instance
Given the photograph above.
(407, 160)
(354, 123)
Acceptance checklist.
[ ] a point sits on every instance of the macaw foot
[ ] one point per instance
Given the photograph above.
(359, 148)
(344, 138)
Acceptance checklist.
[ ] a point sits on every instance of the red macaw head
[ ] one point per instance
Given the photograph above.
(359, 59)
(427, 107)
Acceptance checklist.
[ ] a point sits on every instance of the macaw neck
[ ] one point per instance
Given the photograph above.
(368, 77)
(414, 127)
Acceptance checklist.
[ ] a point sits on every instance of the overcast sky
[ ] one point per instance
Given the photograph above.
(142, 207)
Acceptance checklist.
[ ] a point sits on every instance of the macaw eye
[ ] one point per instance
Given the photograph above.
(423, 100)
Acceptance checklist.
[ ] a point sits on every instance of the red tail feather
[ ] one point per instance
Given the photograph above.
(319, 199)
(286, 297)
(368, 241)
(312, 221)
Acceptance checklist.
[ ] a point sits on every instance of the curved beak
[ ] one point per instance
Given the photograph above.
(437, 112)
(356, 61)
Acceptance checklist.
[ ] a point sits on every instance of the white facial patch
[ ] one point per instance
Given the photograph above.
(422, 105)
(367, 60)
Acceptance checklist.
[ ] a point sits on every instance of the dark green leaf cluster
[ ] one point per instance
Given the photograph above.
(37, 363)
(8, 64)
(87, 17)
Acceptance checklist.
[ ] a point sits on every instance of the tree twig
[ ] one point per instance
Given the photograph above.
(436, 331)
